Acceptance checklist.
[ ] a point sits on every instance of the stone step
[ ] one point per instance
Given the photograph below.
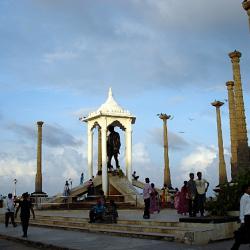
(117, 232)
(126, 222)
(121, 227)
(83, 205)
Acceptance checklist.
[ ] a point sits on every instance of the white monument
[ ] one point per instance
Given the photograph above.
(109, 114)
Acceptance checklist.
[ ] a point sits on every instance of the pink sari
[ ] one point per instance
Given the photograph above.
(177, 200)
(154, 202)
(183, 201)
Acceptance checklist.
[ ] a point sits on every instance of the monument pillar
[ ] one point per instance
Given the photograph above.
(99, 151)
(243, 152)
(38, 186)
(246, 6)
(90, 153)
(104, 161)
(129, 153)
(167, 178)
(233, 128)
(222, 165)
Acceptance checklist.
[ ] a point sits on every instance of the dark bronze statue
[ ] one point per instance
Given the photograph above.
(113, 147)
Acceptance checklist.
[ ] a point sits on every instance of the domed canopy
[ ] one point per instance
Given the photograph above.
(110, 108)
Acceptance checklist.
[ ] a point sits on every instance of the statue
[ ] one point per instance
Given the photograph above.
(113, 147)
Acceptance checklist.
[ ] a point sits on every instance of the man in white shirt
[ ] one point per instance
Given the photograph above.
(10, 209)
(243, 234)
(201, 187)
(146, 197)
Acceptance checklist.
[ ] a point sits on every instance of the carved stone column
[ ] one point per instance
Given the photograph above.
(233, 128)
(99, 151)
(222, 165)
(90, 153)
(104, 161)
(167, 177)
(243, 152)
(129, 153)
(38, 186)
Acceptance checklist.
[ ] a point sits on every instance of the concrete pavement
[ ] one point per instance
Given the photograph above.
(72, 240)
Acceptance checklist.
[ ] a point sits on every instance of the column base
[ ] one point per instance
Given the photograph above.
(38, 194)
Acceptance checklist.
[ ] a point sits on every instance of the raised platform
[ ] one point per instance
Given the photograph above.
(163, 226)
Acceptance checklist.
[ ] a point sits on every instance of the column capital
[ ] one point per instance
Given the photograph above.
(217, 104)
(230, 84)
(40, 123)
(235, 56)
(164, 116)
(246, 5)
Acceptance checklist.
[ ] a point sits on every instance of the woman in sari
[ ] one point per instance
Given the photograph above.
(177, 199)
(183, 202)
(154, 200)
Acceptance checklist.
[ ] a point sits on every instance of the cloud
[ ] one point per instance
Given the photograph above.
(140, 154)
(141, 44)
(59, 56)
(83, 111)
(57, 136)
(58, 165)
(175, 141)
(53, 135)
(199, 160)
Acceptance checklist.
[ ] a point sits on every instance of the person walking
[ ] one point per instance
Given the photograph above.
(192, 196)
(26, 206)
(202, 187)
(242, 235)
(146, 197)
(10, 210)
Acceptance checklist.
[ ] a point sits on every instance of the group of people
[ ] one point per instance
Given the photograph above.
(151, 199)
(102, 209)
(24, 205)
(192, 197)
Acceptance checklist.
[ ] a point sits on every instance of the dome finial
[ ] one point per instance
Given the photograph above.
(110, 92)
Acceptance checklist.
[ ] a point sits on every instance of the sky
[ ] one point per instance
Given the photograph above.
(59, 58)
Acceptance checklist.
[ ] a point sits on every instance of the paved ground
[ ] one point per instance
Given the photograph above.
(94, 241)
(10, 245)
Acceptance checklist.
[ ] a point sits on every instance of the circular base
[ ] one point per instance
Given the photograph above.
(38, 194)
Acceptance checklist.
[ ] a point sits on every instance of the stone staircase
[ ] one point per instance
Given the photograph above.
(157, 230)
(78, 190)
(125, 187)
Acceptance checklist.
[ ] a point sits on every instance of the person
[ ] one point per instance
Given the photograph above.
(112, 210)
(102, 198)
(154, 200)
(135, 176)
(113, 147)
(242, 235)
(26, 206)
(1, 200)
(90, 187)
(192, 196)
(202, 187)
(81, 178)
(177, 199)
(66, 189)
(10, 210)
(146, 197)
(163, 197)
(183, 203)
(97, 212)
